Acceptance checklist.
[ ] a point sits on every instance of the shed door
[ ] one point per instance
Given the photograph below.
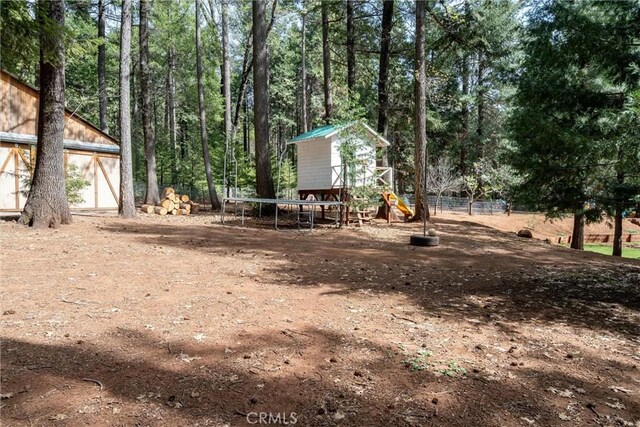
(102, 172)
(15, 175)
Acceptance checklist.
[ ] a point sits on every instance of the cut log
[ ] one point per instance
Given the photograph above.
(183, 212)
(186, 206)
(147, 209)
(160, 210)
(184, 198)
(195, 208)
(166, 203)
(167, 191)
(174, 212)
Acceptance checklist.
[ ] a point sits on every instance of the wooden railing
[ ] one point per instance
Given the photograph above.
(381, 176)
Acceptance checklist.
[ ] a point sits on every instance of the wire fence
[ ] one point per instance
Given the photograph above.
(200, 194)
(461, 205)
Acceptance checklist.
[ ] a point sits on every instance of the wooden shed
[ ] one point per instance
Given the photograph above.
(320, 165)
(94, 153)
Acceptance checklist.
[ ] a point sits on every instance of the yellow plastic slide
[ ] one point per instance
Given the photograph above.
(395, 200)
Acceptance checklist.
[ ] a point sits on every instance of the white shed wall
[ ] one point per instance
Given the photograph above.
(314, 165)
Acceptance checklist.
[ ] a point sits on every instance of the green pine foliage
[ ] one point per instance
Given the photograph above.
(575, 118)
(534, 101)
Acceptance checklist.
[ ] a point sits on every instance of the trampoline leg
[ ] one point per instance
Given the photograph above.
(224, 204)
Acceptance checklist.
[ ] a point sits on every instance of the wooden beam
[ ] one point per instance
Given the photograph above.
(26, 162)
(16, 176)
(6, 161)
(95, 179)
(106, 176)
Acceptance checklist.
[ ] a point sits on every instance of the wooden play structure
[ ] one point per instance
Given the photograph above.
(334, 163)
(325, 174)
(94, 153)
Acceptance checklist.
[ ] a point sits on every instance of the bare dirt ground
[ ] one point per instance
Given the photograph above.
(180, 321)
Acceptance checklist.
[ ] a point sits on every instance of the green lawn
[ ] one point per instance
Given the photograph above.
(606, 250)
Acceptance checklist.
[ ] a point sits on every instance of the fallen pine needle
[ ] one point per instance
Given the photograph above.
(404, 318)
(94, 381)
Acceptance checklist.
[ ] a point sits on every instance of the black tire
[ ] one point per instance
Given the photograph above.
(419, 240)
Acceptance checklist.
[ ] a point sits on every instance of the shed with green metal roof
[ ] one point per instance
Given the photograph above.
(320, 165)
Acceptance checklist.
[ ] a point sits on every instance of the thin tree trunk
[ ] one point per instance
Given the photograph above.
(326, 63)
(152, 196)
(135, 93)
(245, 128)
(464, 140)
(127, 207)
(351, 48)
(617, 229)
(171, 111)
(215, 203)
(420, 96)
(247, 67)
(46, 204)
(102, 71)
(465, 115)
(156, 125)
(303, 55)
(577, 237)
(264, 178)
(481, 105)
(226, 87)
(383, 74)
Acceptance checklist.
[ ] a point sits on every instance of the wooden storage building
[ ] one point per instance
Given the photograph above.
(94, 153)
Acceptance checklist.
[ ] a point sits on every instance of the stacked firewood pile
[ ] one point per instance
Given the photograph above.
(172, 203)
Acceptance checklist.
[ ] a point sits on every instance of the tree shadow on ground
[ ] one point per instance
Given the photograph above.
(491, 277)
(277, 371)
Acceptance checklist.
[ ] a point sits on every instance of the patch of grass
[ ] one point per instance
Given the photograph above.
(453, 370)
(418, 362)
(627, 252)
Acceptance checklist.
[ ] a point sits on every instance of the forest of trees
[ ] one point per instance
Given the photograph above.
(536, 103)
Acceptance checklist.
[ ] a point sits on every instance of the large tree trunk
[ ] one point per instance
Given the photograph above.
(351, 48)
(102, 71)
(577, 237)
(127, 207)
(152, 196)
(617, 228)
(326, 63)
(264, 179)
(420, 98)
(226, 92)
(383, 74)
(215, 203)
(47, 201)
(303, 59)
(171, 110)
